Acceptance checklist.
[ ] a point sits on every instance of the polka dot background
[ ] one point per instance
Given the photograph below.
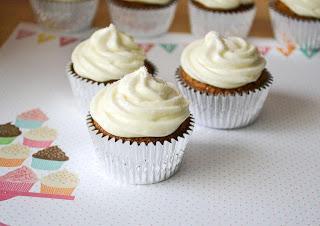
(265, 174)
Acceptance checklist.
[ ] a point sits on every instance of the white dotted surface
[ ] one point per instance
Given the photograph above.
(265, 174)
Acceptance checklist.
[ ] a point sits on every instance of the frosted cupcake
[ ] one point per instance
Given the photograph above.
(105, 57)
(51, 158)
(296, 21)
(13, 155)
(230, 18)
(142, 18)
(140, 127)
(225, 79)
(21, 179)
(59, 183)
(31, 119)
(8, 133)
(40, 137)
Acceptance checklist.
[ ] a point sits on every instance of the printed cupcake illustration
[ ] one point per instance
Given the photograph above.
(21, 179)
(13, 155)
(51, 158)
(8, 133)
(31, 119)
(59, 183)
(40, 137)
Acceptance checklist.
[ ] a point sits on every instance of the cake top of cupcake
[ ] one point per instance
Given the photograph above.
(107, 55)
(14, 151)
(22, 174)
(139, 105)
(42, 134)
(308, 8)
(61, 179)
(224, 4)
(34, 114)
(9, 130)
(51, 153)
(223, 62)
(157, 2)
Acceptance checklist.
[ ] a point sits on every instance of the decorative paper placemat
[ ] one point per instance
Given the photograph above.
(265, 174)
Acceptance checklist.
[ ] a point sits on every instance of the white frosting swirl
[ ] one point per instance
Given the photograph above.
(222, 62)
(139, 106)
(157, 2)
(224, 4)
(107, 55)
(308, 8)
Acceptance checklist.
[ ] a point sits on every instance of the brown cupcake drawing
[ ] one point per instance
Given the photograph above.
(8, 133)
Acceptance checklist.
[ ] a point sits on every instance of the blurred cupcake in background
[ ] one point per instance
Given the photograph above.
(102, 59)
(65, 15)
(225, 79)
(229, 17)
(142, 18)
(296, 21)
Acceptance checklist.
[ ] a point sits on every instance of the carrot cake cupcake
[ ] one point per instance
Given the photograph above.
(140, 127)
(226, 17)
(225, 79)
(21, 179)
(105, 57)
(31, 119)
(51, 158)
(13, 155)
(142, 18)
(59, 183)
(8, 133)
(40, 137)
(296, 21)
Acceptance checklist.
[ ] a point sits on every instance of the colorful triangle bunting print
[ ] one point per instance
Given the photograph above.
(309, 52)
(42, 37)
(169, 48)
(66, 40)
(264, 50)
(23, 33)
(146, 46)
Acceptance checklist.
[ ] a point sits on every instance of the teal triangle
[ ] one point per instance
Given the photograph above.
(309, 52)
(168, 47)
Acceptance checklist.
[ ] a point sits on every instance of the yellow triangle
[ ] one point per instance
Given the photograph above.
(42, 37)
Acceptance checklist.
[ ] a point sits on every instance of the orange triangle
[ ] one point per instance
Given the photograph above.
(42, 37)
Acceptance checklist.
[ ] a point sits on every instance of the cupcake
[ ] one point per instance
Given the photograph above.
(59, 183)
(140, 127)
(296, 21)
(225, 79)
(8, 133)
(105, 57)
(230, 18)
(31, 119)
(50, 158)
(142, 18)
(21, 179)
(40, 137)
(13, 155)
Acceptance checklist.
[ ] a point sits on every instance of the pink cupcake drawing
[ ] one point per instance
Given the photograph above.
(21, 179)
(31, 119)
(40, 137)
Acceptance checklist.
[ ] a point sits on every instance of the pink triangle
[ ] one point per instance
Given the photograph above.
(146, 46)
(264, 50)
(22, 33)
(67, 40)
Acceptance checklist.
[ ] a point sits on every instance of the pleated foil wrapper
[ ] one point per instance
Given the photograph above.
(82, 89)
(227, 24)
(142, 22)
(225, 111)
(305, 33)
(133, 163)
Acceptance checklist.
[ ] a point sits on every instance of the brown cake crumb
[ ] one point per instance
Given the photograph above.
(51, 153)
(241, 8)
(9, 130)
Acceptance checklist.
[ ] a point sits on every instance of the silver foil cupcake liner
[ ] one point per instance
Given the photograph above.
(65, 16)
(225, 111)
(133, 163)
(305, 33)
(140, 22)
(227, 24)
